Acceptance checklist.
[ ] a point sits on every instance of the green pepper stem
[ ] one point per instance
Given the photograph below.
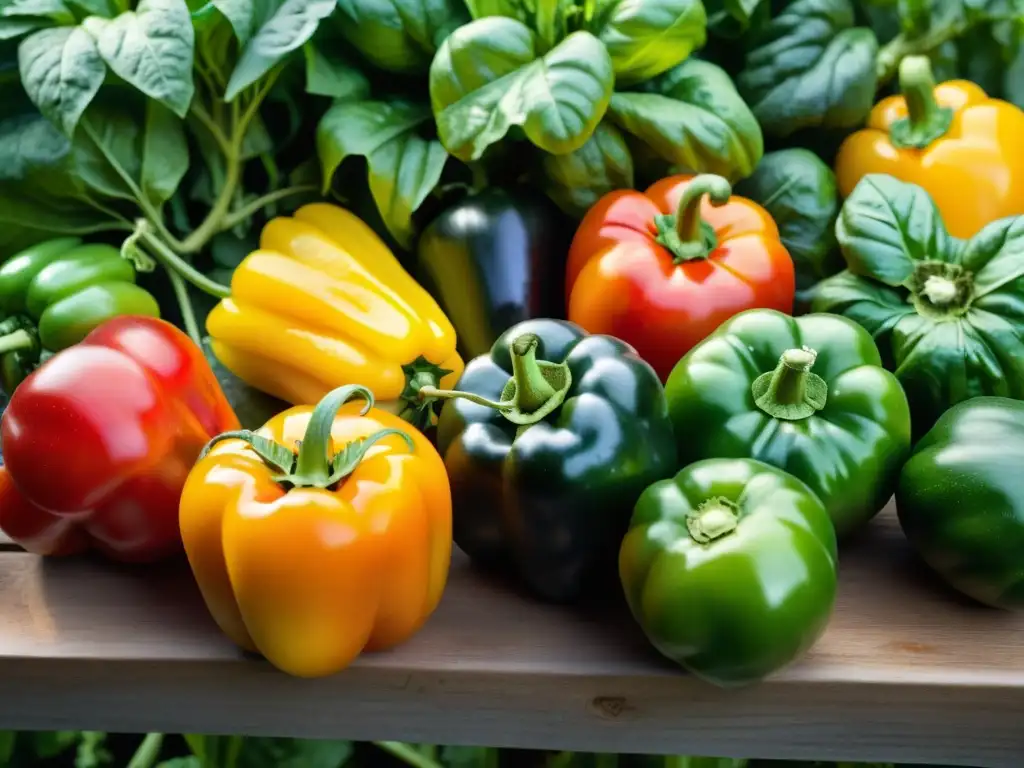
(926, 121)
(940, 291)
(12, 342)
(713, 519)
(686, 234)
(535, 389)
(315, 466)
(791, 392)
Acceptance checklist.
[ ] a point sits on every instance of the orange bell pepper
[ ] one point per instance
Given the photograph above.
(962, 147)
(310, 558)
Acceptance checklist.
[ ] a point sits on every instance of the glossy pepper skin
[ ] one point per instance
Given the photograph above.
(663, 268)
(808, 395)
(324, 303)
(54, 293)
(548, 443)
(952, 139)
(493, 260)
(730, 569)
(98, 442)
(310, 558)
(960, 499)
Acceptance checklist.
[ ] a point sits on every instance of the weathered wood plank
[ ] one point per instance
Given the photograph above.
(907, 671)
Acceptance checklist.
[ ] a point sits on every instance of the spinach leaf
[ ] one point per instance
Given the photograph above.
(809, 67)
(13, 28)
(514, 9)
(288, 29)
(400, 35)
(648, 37)
(61, 70)
(731, 18)
(329, 73)
(577, 180)
(693, 117)
(54, 10)
(403, 167)
(151, 48)
(245, 16)
(164, 154)
(800, 193)
(488, 77)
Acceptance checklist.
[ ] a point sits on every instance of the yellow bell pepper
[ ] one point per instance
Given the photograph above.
(962, 147)
(323, 303)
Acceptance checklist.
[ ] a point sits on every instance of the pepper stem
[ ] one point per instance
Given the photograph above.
(685, 233)
(926, 121)
(537, 387)
(940, 291)
(12, 342)
(713, 519)
(791, 392)
(314, 466)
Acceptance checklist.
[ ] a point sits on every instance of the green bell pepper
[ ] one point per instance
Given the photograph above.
(808, 395)
(960, 499)
(548, 442)
(730, 569)
(54, 293)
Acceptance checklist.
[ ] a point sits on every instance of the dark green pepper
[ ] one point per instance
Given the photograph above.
(493, 259)
(548, 443)
(808, 395)
(54, 293)
(730, 569)
(960, 499)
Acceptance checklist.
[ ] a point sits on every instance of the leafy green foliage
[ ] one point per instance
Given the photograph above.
(577, 180)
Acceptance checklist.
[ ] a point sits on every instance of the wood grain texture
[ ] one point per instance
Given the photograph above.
(907, 671)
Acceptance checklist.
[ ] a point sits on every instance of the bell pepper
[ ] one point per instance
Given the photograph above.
(99, 439)
(323, 303)
(311, 557)
(946, 313)
(960, 499)
(953, 140)
(663, 268)
(808, 395)
(54, 293)
(492, 260)
(730, 569)
(548, 442)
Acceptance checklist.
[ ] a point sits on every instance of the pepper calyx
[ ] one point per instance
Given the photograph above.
(926, 121)
(940, 290)
(791, 392)
(416, 409)
(714, 518)
(685, 233)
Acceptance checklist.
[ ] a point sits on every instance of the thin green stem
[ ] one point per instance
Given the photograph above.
(12, 342)
(174, 263)
(212, 223)
(204, 117)
(237, 217)
(148, 752)
(407, 754)
(188, 314)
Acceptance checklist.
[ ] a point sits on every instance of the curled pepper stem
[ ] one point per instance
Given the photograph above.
(686, 234)
(926, 121)
(791, 392)
(537, 387)
(315, 466)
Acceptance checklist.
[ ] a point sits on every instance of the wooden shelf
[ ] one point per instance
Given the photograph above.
(907, 671)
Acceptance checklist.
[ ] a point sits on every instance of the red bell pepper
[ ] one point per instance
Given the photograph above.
(99, 440)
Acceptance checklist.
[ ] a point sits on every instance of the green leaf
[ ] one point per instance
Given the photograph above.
(164, 154)
(92, 751)
(152, 49)
(291, 26)
(886, 225)
(181, 762)
(6, 746)
(730, 18)
(53, 10)
(48, 744)
(329, 73)
(245, 16)
(403, 167)
(61, 71)
(693, 117)
(400, 35)
(106, 151)
(487, 77)
(799, 191)
(577, 180)
(513, 9)
(810, 67)
(648, 37)
(293, 753)
(16, 27)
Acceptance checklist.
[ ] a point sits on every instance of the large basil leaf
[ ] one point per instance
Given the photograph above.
(403, 167)
(487, 77)
(328, 73)
(61, 71)
(808, 67)
(151, 48)
(577, 180)
(648, 37)
(400, 35)
(799, 191)
(287, 30)
(887, 225)
(693, 117)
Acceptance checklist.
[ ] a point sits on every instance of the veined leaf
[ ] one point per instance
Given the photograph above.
(61, 70)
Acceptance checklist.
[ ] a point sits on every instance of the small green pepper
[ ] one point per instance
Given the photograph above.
(54, 293)
(730, 569)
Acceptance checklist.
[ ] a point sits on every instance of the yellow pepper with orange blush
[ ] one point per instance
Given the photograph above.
(964, 148)
(323, 303)
(323, 534)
